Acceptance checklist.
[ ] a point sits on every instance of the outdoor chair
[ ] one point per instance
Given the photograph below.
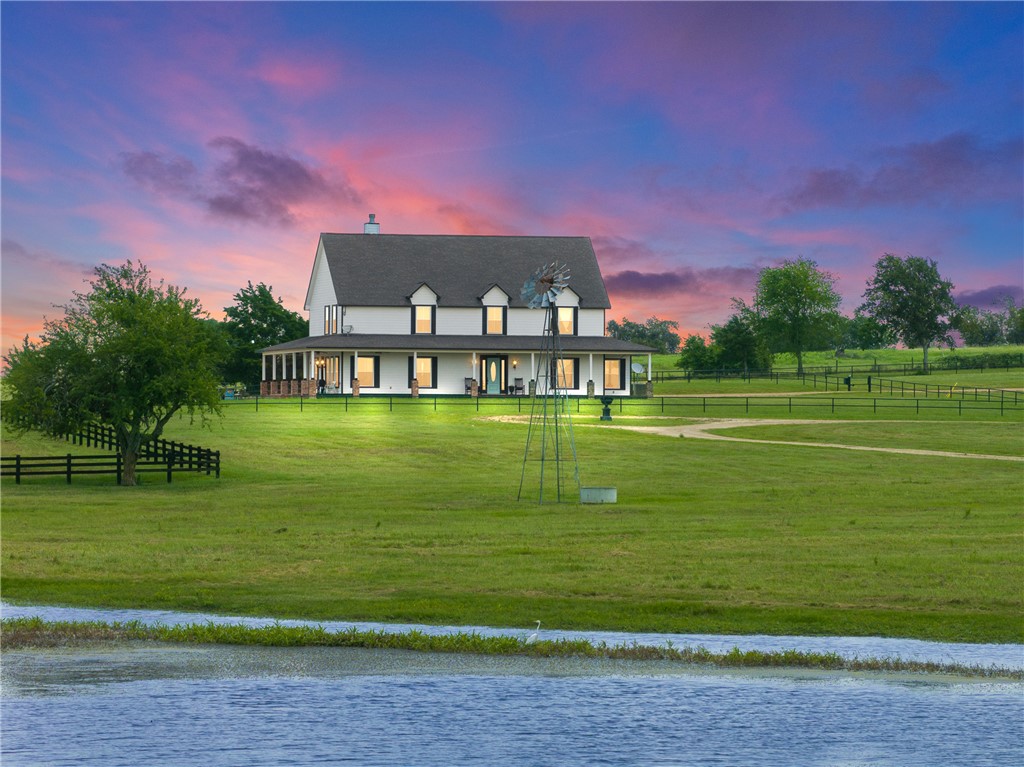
(518, 387)
(469, 386)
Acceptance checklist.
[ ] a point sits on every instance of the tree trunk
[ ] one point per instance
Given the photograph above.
(924, 364)
(129, 442)
(128, 461)
(799, 362)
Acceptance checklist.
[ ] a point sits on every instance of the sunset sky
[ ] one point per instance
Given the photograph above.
(694, 143)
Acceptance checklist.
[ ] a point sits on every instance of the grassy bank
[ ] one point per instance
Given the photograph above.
(411, 516)
(34, 633)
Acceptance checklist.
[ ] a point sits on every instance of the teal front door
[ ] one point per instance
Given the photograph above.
(493, 367)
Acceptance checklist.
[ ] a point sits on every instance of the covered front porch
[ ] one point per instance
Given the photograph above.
(482, 367)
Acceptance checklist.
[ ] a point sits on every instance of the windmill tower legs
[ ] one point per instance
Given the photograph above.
(550, 467)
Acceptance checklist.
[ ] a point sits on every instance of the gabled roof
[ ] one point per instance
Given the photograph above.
(385, 269)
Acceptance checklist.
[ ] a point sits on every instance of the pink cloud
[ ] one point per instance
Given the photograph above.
(957, 167)
(294, 78)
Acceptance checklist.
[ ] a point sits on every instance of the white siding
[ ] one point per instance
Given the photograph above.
(525, 322)
(379, 319)
(495, 297)
(459, 322)
(320, 293)
(591, 322)
(568, 298)
(424, 296)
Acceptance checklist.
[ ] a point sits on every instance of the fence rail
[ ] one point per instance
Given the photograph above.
(70, 465)
(159, 455)
(669, 404)
(1009, 362)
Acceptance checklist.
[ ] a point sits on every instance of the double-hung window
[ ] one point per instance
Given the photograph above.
(424, 319)
(566, 371)
(567, 316)
(424, 371)
(614, 374)
(367, 371)
(495, 318)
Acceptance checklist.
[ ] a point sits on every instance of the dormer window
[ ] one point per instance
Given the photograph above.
(495, 318)
(567, 320)
(423, 319)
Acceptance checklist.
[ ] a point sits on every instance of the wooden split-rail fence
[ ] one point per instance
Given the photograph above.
(156, 456)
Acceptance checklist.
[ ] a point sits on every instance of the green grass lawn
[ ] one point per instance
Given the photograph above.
(411, 516)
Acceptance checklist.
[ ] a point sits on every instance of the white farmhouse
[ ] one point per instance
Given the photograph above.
(442, 315)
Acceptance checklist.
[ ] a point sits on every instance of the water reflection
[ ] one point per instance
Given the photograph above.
(1006, 656)
(220, 706)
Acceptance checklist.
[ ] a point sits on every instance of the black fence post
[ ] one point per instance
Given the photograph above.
(118, 468)
(17, 469)
(69, 468)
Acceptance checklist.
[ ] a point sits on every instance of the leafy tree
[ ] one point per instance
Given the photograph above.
(697, 355)
(865, 332)
(129, 353)
(910, 298)
(255, 321)
(979, 327)
(796, 308)
(654, 332)
(738, 346)
(1014, 322)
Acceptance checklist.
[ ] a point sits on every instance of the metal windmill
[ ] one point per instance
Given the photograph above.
(549, 439)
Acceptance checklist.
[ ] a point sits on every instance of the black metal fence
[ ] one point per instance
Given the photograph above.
(671, 405)
(955, 364)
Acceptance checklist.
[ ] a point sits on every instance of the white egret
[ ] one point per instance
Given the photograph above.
(533, 637)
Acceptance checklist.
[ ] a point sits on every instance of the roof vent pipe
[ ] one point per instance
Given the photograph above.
(371, 226)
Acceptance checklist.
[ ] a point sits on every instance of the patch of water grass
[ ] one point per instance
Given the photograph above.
(21, 633)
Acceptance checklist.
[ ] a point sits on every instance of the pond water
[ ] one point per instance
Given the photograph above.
(223, 706)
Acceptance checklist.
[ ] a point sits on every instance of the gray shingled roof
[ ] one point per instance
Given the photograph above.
(424, 342)
(385, 269)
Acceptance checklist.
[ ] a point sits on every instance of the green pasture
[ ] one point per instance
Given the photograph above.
(400, 512)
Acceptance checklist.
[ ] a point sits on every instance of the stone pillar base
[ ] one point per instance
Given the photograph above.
(590, 389)
(355, 387)
(414, 389)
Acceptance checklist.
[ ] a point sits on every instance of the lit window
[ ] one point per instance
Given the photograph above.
(567, 320)
(366, 372)
(566, 370)
(613, 373)
(494, 320)
(423, 319)
(425, 373)
(332, 313)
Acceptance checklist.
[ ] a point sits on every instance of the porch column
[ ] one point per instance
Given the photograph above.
(591, 366)
(295, 365)
(414, 388)
(353, 372)
(273, 367)
(263, 377)
(649, 374)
